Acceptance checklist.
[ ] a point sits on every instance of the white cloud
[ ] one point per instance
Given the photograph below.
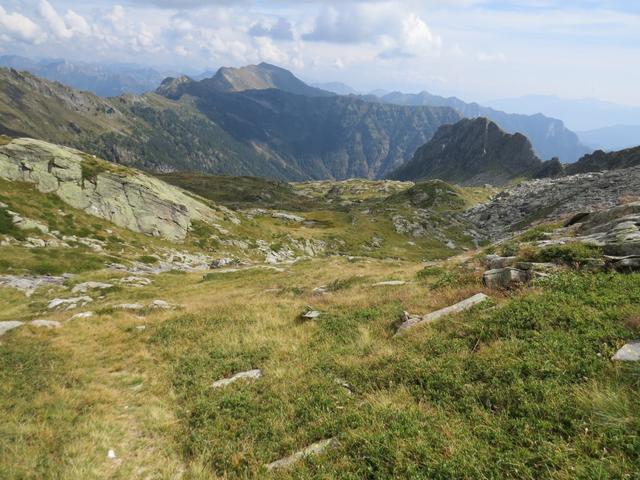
(54, 21)
(17, 26)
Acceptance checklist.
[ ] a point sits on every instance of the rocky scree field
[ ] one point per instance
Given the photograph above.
(250, 329)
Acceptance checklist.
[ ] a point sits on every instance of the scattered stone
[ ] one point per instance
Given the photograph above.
(141, 327)
(45, 323)
(249, 375)
(9, 325)
(29, 284)
(27, 223)
(287, 216)
(411, 321)
(82, 315)
(222, 262)
(314, 449)
(321, 290)
(134, 281)
(69, 303)
(111, 455)
(505, 278)
(161, 305)
(129, 306)
(390, 283)
(629, 353)
(83, 287)
(311, 314)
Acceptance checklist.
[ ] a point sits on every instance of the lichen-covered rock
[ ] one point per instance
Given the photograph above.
(121, 195)
(616, 230)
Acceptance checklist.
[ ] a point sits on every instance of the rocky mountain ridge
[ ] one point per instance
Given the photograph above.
(476, 152)
(549, 136)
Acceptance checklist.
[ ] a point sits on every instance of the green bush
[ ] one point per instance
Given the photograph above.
(575, 254)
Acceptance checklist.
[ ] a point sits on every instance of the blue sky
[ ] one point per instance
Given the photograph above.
(476, 49)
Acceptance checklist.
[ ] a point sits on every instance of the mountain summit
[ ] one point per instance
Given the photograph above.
(261, 77)
(476, 152)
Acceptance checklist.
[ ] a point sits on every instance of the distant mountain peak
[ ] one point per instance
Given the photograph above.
(263, 76)
(476, 152)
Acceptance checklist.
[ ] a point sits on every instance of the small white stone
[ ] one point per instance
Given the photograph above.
(249, 375)
(45, 323)
(111, 454)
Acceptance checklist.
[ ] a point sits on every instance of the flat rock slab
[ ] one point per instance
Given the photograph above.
(433, 316)
(390, 283)
(82, 315)
(314, 449)
(129, 306)
(45, 323)
(249, 375)
(83, 287)
(311, 315)
(161, 305)
(134, 281)
(29, 284)
(10, 325)
(69, 303)
(629, 353)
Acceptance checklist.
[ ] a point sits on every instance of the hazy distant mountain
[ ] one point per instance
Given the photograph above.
(476, 152)
(599, 161)
(617, 137)
(578, 115)
(549, 136)
(103, 80)
(338, 88)
(261, 77)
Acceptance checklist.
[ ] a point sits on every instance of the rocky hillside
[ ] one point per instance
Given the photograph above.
(549, 136)
(325, 137)
(475, 152)
(261, 77)
(554, 199)
(599, 161)
(148, 131)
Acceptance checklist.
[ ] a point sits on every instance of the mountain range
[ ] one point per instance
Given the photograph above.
(105, 80)
(191, 125)
(549, 136)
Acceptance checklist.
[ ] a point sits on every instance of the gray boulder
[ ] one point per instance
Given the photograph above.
(505, 278)
(9, 325)
(629, 353)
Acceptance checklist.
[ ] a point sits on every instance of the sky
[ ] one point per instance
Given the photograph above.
(475, 49)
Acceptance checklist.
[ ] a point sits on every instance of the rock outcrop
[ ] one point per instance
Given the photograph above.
(126, 197)
(475, 152)
(519, 206)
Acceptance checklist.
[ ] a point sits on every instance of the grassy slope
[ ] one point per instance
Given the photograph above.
(520, 388)
(524, 389)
